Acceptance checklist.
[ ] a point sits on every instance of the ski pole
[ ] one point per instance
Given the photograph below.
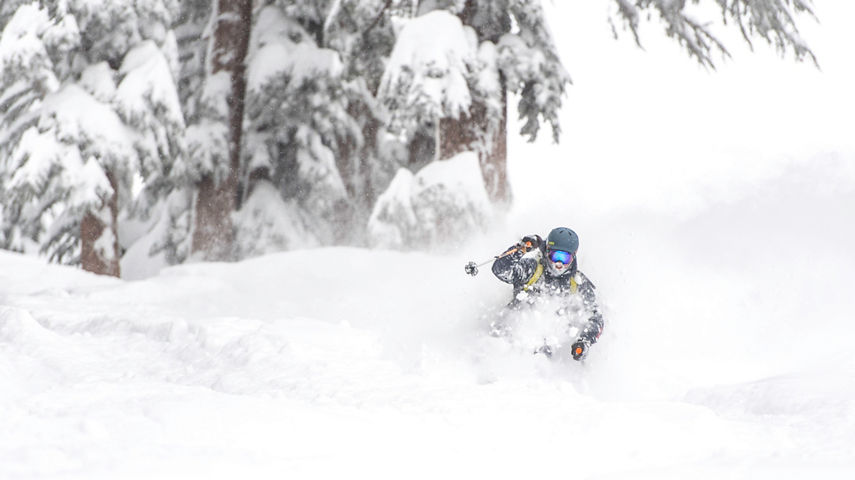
(471, 268)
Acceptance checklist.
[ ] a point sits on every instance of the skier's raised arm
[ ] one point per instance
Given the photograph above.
(519, 261)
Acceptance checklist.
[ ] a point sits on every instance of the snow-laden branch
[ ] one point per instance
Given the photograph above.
(772, 20)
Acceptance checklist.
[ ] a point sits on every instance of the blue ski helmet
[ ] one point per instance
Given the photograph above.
(562, 238)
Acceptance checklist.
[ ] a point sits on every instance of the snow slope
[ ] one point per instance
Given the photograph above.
(721, 358)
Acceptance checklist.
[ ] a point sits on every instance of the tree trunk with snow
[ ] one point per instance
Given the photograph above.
(99, 243)
(218, 197)
(494, 157)
(475, 132)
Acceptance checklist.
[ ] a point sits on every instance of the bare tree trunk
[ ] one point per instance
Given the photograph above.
(99, 242)
(218, 198)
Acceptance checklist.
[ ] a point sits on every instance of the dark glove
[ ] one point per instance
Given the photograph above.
(579, 349)
(471, 268)
(530, 242)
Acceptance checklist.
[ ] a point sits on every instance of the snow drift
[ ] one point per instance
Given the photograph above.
(341, 361)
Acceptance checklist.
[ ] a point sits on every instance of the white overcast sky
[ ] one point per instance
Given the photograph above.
(637, 123)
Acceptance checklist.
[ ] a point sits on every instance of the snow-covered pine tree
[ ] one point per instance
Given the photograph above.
(526, 63)
(450, 82)
(166, 238)
(26, 75)
(517, 54)
(361, 32)
(506, 46)
(310, 127)
(437, 70)
(431, 74)
(297, 118)
(91, 105)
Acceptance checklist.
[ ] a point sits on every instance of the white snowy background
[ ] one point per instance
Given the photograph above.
(715, 212)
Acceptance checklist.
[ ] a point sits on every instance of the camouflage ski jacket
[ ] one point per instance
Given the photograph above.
(527, 270)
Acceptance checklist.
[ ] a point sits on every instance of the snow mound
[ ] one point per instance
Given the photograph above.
(267, 224)
(18, 327)
(442, 202)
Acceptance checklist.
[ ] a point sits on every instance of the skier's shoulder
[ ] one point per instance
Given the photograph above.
(583, 281)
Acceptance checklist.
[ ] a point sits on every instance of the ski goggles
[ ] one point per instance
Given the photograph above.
(560, 256)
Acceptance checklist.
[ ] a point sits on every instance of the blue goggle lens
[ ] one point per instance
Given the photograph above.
(561, 256)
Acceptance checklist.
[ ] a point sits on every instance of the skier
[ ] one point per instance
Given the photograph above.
(536, 268)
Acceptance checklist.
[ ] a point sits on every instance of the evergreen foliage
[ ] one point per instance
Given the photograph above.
(116, 104)
(771, 20)
(90, 107)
